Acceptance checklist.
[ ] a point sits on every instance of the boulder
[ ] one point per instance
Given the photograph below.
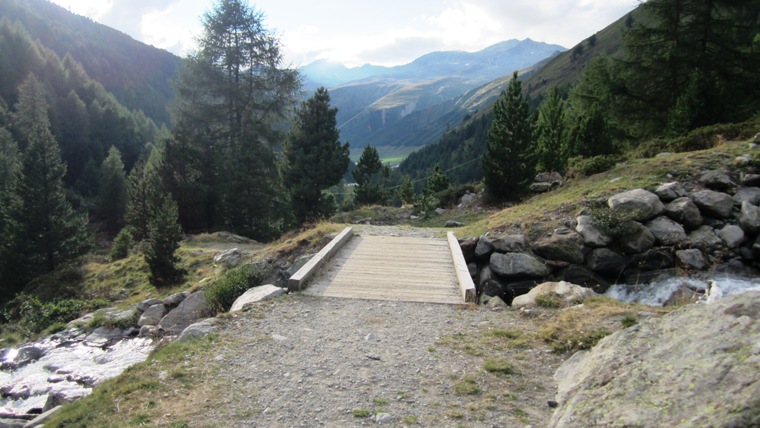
(472, 269)
(513, 265)
(684, 211)
(732, 235)
(582, 275)
(666, 231)
(467, 199)
(713, 204)
(654, 259)
(189, 311)
(670, 191)
(717, 180)
(607, 262)
(229, 258)
(468, 248)
(199, 329)
(751, 180)
(541, 187)
(152, 315)
(548, 177)
(175, 299)
(510, 244)
(640, 204)
(592, 235)
(637, 241)
(145, 304)
(705, 239)
(691, 259)
(257, 294)
(747, 194)
(569, 293)
(697, 366)
(563, 244)
(484, 248)
(750, 218)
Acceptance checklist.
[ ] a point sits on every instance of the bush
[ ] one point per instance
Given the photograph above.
(122, 244)
(613, 223)
(583, 167)
(223, 292)
(34, 315)
(450, 197)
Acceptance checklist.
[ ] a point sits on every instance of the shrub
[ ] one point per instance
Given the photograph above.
(122, 244)
(450, 197)
(499, 366)
(613, 223)
(583, 167)
(34, 315)
(223, 292)
(548, 300)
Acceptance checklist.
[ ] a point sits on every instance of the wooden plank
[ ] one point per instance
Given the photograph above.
(296, 282)
(466, 286)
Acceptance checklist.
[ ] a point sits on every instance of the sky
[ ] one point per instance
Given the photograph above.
(358, 32)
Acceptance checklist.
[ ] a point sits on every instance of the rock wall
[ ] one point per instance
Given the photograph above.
(695, 229)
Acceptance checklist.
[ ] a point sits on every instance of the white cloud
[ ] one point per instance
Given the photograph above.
(94, 9)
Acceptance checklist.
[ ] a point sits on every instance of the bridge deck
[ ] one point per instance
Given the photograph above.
(390, 268)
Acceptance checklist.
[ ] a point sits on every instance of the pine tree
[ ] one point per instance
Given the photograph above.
(438, 181)
(316, 160)
(508, 163)
(144, 194)
(165, 234)
(406, 190)
(551, 139)
(112, 195)
(48, 231)
(368, 190)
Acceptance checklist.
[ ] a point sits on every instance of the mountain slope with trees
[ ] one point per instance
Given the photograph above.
(137, 74)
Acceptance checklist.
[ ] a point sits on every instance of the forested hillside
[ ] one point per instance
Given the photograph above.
(137, 74)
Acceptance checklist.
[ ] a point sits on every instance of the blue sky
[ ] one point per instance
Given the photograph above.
(357, 32)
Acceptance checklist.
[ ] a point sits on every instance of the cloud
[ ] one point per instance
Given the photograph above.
(94, 9)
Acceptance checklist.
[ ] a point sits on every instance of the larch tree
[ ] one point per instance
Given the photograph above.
(112, 195)
(508, 164)
(315, 157)
(232, 96)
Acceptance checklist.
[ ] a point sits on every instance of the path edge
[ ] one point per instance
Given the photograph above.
(297, 281)
(466, 286)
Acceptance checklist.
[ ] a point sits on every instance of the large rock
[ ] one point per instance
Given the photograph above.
(684, 211)
(637, 241)
(484, 248)
(640, 204)
(582, 275)
(257, 294)
(607, 262)
(747, 194)
(152, 315)
(691, 259)
(229, 258)
(732, 235)
(192, 309)
(145, 304)
(563, 244)
(666, 231)
(750, 218)
(717, 180)
(510, 244)
(512, 265)
(569, 293)
(548, 177)
(654, 259)
(541, 187)
(705, 239)
(696, 367)
(175, 299)
(199, 329)
(713, 204)
(670, 191)
(468, 249)
(592, 235)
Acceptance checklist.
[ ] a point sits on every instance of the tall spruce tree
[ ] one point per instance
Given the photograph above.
(47, 230)
(231, 95)
(367, 175)
(145, 192)
(316, 160)
(165, 233)
(112, 195)
(438, 181)
(551, 136)
(508, 164)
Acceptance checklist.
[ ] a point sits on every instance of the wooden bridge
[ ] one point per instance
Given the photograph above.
(409, 269)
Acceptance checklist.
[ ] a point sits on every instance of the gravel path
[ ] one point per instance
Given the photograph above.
(310, 361)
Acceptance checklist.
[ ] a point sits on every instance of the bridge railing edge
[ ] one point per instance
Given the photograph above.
(297, 281)
(466, 285)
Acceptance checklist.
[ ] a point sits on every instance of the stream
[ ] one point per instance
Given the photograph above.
(658, 293)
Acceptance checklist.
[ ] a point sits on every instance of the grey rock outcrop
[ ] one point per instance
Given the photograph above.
(732, 235)
(670, 191)
(705, 238)
(563, 244)
(607, 262)
(510, 244)
(199, 329)
(512, 265)
(152, 315)
(637, 241)
(750, 218)
(713, 204)
(592, 235)
(700, 364)
(717, 180)
(484, 248)
(684, 211)
(691, 259)
(666, 231)
(747, 194)
(189, 311)
(257, 294)
(229, 258)
(569, 293)
(640, 204)
(145, 304)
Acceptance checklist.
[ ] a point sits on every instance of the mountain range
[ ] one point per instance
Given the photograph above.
(399, 109)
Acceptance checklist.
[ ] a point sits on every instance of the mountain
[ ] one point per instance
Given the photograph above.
(137, 74)
(399, 109)
(460, 148)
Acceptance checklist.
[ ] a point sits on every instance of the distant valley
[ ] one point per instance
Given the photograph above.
(399, 109)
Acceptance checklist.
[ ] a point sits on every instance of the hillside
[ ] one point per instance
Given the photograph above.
(137, 74)
(399, 109)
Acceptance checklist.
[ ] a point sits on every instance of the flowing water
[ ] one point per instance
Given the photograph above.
(657, 293)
